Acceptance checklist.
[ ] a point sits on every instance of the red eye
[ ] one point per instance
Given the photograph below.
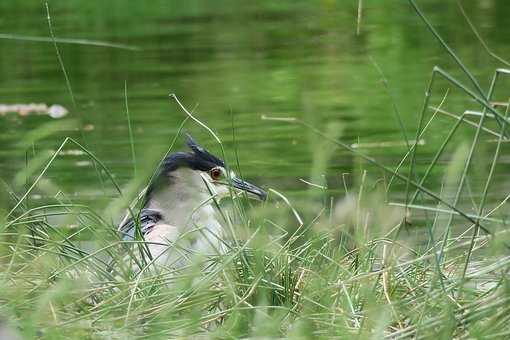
(215, 173)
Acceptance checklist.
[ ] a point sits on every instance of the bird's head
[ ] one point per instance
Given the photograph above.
(199, 170)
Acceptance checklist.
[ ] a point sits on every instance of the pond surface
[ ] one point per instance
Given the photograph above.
(233, 63)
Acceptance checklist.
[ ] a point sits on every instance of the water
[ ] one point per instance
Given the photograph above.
(234, 62)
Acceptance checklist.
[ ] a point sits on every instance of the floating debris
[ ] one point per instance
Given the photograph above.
(57, 111)
(71, 152)
(54, 111)
(478, 113)
(314, 185)
(499, 104)
(88, 127)
(83, 163)
(388, 144)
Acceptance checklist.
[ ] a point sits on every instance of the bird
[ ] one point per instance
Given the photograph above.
(180, 215)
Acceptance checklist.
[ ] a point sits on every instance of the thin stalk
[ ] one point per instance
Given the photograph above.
(382, 167)
(59, 56)
(412, 161)
(467, 164)
(401, 163)
(393, 102)
(484, 198)
(479, 37)
(130, 130)
(437, 156)
(448, 49)
(73, 41)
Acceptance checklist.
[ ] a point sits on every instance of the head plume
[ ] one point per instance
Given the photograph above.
(202, 153)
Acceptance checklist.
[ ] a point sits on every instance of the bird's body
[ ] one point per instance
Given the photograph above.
(179, 218)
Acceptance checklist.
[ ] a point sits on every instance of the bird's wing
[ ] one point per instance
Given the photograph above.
(147, 219)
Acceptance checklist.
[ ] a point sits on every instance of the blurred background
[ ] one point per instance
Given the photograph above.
(345, 72)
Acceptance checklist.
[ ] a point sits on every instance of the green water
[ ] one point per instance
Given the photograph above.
(234, 62)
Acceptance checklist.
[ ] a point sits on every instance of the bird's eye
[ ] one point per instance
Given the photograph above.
(215, 173)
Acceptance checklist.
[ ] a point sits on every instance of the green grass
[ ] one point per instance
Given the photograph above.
(428, 261)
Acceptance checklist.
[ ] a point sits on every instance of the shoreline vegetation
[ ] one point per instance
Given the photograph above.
(363, 264)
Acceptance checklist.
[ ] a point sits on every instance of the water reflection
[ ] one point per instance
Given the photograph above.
(233, 62)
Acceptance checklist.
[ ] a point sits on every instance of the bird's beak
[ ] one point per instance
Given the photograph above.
(249, 188)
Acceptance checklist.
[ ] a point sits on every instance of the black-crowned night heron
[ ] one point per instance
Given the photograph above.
(179, 217)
